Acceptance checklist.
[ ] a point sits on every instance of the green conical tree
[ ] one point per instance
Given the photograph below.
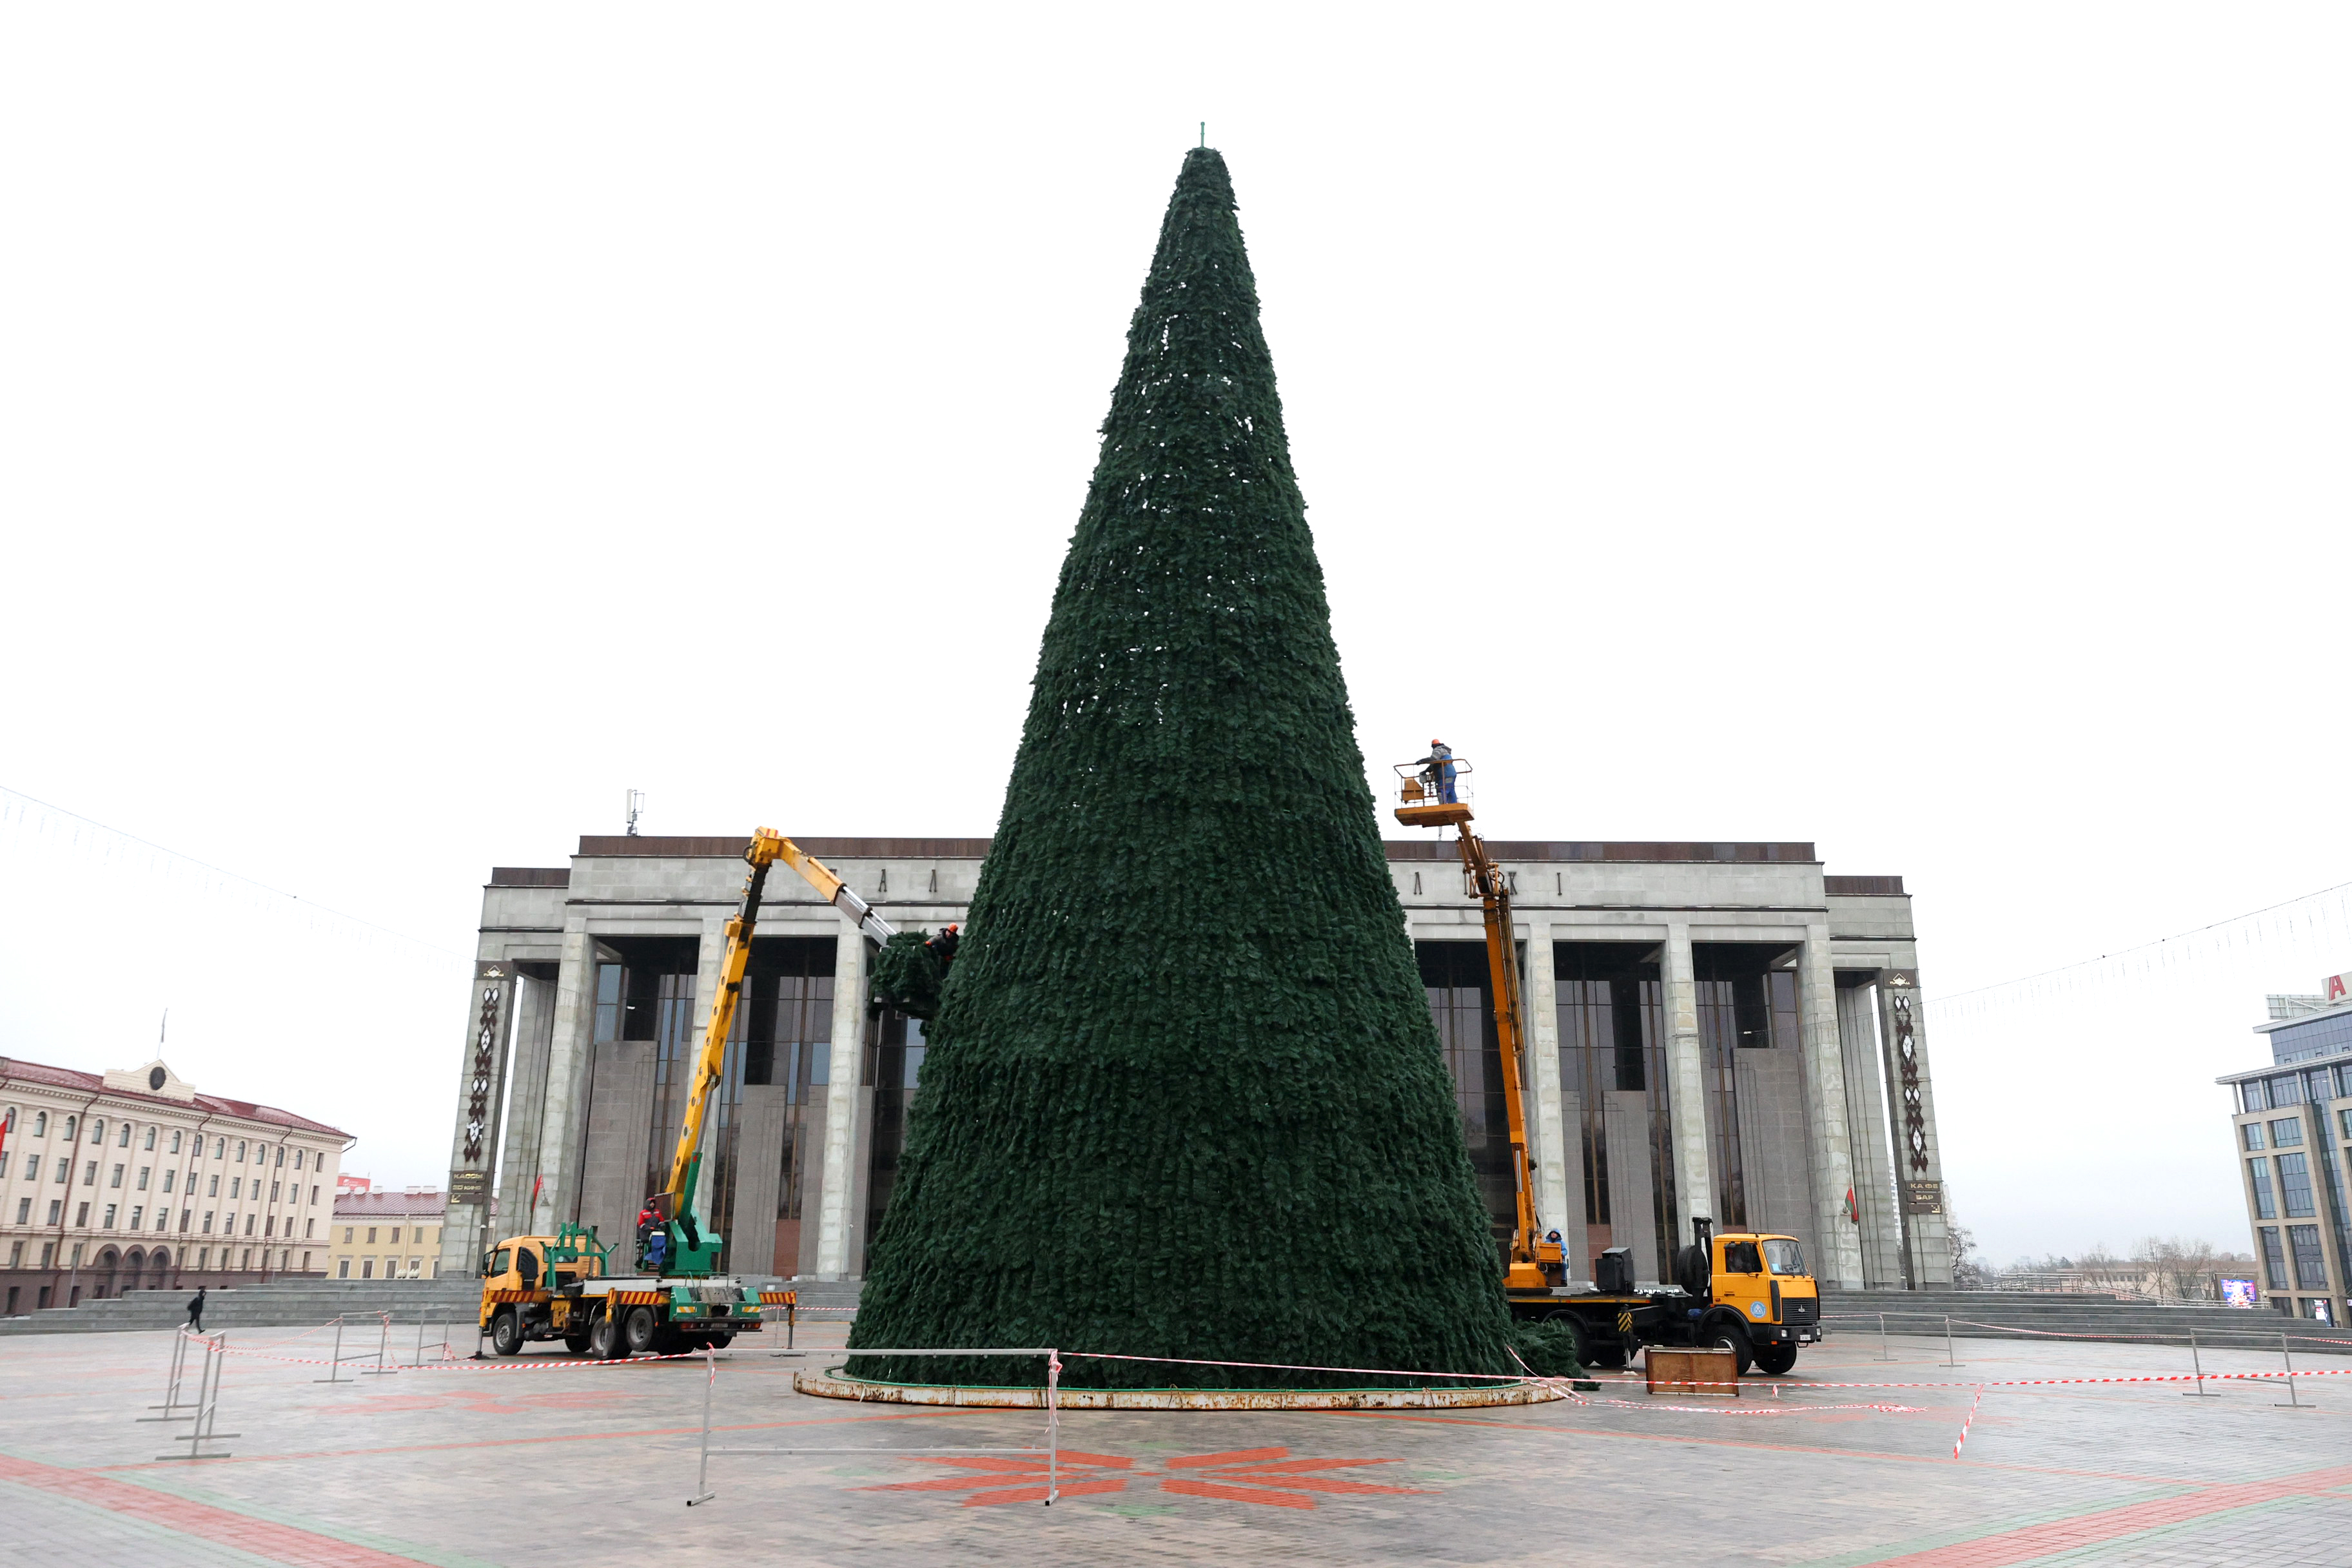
(1183, 1096)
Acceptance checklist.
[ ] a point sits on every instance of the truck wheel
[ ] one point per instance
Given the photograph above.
(506, 1332)
(1733, 1338)
(1774, 1360)
(604, 1339)
(637, 1329)
(575, 1344)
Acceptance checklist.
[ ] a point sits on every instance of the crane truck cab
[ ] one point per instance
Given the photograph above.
(557, 1288)
(1748, 1292)
(1757, 1298)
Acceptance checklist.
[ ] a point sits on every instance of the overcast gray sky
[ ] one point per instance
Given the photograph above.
(1919, 433)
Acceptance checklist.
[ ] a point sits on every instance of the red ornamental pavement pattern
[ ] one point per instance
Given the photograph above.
(2100, 1525)
(1268, 1476)
(276, 1543)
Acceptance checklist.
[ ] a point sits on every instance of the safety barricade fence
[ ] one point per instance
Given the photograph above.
(1052, 1451)
(2196, 1345)
(215, 1349)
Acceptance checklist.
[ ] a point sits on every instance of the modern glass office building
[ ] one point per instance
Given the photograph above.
(1717, 1029)
(2292, 1126)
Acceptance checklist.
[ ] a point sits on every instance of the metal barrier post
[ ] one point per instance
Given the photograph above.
(702, 1492)
(1949, 1358)
(792, 1315)
(2197, 1362)
(421, 1317)
(2292, 1403)
(172, 1385)
(1883, 1354)
(335, 1364)
(1052, 1427)
(208, 1405)
(383, 1349)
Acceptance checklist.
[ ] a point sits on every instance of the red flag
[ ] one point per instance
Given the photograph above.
(1853, 1209)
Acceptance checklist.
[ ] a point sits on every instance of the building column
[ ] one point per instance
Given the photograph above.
(1833, 1149)
(835, 1194)
(481, 1090)
(1546, 1124)
(571, 1056)
(534, 1013)
(1882, 1263)
(1686, 1090)
(1919, 1155)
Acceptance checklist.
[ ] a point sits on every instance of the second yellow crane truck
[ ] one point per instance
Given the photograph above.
(674, 1296)
(1747, 1292)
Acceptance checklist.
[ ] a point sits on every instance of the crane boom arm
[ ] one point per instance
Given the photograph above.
(1503, 969)
(767, 847)
(837, 892)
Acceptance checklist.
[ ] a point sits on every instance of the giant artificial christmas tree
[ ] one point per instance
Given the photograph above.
(1183, 1096)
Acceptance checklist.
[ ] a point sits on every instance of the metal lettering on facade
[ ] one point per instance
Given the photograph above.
(493, 980)
(1900, 986)
(469, 1186)
(1923, 1197)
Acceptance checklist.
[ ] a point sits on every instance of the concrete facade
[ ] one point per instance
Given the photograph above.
(1825, 1106)
(130, 1178)
(2291, 1123)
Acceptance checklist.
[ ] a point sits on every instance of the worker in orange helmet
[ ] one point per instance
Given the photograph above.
(1437, 771)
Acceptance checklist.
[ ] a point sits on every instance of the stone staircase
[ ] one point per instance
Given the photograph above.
(2029, 1314)
(299, 1303)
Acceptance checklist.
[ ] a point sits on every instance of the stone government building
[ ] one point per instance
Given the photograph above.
(1717, 1029)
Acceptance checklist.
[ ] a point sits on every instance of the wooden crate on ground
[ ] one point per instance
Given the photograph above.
(1709, 1372)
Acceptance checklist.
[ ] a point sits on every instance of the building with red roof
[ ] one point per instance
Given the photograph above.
(131, 1178)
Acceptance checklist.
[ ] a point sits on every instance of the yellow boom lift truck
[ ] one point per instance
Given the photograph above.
(1745, 1292)
(562, 1285)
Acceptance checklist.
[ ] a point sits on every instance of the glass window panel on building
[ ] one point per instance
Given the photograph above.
(2333, 1169)
(2286, 1131)
(1454, 978)
(2265, 1203)
(2273, 1258)
(2295, 1185)
(1610, 1006)
(781, 1040)
(2316, 1037)
(2253, 1131)
(2310, 1262)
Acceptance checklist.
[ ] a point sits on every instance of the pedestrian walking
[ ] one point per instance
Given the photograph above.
(196, 1311)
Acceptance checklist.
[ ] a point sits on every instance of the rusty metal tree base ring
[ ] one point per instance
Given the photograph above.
(833, 1384)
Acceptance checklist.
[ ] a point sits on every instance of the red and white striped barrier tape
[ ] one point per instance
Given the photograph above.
(1968, 1421)
(546, 1363)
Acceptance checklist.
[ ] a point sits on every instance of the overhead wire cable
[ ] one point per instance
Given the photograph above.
(307, 906)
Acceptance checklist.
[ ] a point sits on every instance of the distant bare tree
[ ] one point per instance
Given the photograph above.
(2185, 1271)
(1969, 1272)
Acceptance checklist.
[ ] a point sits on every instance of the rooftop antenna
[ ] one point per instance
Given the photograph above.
(166, 1028)
(1204, 133)
(636, 807)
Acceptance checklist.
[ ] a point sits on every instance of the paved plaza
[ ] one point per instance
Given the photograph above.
(591, 1465)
